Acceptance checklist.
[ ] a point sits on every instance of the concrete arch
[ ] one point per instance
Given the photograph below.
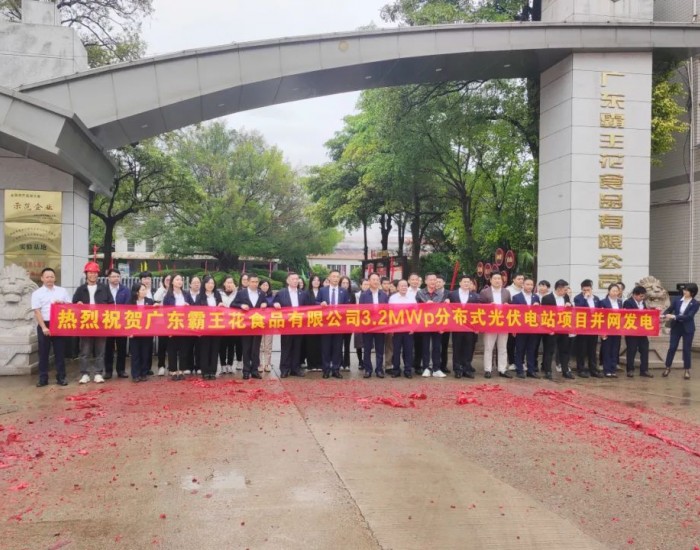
(127, 103)
(32, 129)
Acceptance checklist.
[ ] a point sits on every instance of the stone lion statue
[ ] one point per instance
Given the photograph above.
(15, 297)
(657, 296)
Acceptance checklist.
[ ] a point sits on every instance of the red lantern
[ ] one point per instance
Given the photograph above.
(510, 259)
(480, 269)
(499, 257)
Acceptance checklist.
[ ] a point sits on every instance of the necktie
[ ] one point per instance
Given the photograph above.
(333, 297)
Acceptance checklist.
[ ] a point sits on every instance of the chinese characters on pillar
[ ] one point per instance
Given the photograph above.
(611, 148)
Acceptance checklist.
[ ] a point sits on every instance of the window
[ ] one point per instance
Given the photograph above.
(150, 245)
(130, 245)
(333, 267)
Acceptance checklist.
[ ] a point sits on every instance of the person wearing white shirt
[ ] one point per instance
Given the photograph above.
(162, 347)
(42, 298)
(250, 297)
(515, 288)
(414, 284)
(526, 343)
(636, 344)
(610, 344)
(230, 348)
(403, 341)
(495, 294)
(463, 343)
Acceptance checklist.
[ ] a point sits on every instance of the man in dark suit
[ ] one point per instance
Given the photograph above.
(526, 344)
(250, 297)
(637, 343)
(586, 344)
(463, 343)
(121, 296)
(331, 344)
(373, 295)
(557, 343)
(291, 296)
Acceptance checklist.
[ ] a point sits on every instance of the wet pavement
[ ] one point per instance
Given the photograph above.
(311, 463)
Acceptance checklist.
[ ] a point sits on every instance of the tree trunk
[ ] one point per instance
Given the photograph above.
(385, 226)
(415, 235)
(108, 241)
(401, 228)
(364, 235)
(227, 262)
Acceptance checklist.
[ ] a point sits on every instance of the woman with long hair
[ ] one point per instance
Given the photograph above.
(194, 289)
(179, 347)
(162, 340)
(347, 337)
(227, 344)
(266, 345)
(209, 345)
(313, 341)
(140, 347)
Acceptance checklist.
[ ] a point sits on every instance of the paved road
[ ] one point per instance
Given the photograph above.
(393, 464)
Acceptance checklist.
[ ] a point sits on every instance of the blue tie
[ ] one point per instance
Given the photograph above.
(333, 296)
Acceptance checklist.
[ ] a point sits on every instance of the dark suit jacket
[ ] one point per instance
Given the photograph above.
(202, 298)
(550, 299)
(146, 302)
(102, 295)
(283, 298)
(520, 299)
(630, 303)
(473, 298)
(685, 322)
(606, 303)
(169, 299)
(243, 298)
(366, 297)
(123, 294)
(486, 295)
(580, 301)
(324, 295)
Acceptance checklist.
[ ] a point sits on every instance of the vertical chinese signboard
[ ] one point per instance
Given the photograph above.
(611, 178)
(33, 230)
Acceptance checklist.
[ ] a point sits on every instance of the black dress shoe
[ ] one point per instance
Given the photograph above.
(367, 375)
(596, 374)
(122, 375)
(380, 374)
(446, 370)
(326, 375)
(646, 375)
(520, 375)
(487, 375)
(548, 376)
(631, 375)
(107, 377)
(568, 374)
(505, 374)
(583, 374)
(61, 382)
(42, 383)
(246, 376)
(396, 373)
(469, 374)
(390, 371)
(458, 375)
(533, 375)
(143, 378)
(150, 373)
(256, 375)
(337, 375)
(284, 375)
(300, 373)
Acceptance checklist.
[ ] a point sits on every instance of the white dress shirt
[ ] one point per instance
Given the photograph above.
(43, 297)
(253, 297)
(293, 296)
(398, 299)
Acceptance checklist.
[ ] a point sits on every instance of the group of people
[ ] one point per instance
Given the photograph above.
(396, 354)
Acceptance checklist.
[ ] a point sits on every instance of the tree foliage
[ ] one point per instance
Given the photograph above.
(247, 202)
(148, 178)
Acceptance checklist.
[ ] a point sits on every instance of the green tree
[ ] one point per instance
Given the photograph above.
(248, 202)
(148, 178)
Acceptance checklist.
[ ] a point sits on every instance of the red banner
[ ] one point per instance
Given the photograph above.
(82, 320)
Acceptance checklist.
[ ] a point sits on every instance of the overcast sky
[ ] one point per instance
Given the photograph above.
(299, 128)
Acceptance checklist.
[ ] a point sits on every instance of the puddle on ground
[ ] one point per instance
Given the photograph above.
(215, 480)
